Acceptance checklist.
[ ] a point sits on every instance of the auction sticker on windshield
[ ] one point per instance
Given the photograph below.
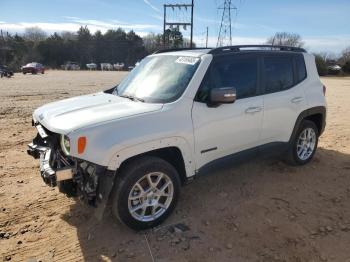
(187, 60)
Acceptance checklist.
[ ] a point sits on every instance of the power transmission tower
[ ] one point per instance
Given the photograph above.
(225, 33)
(178, 21)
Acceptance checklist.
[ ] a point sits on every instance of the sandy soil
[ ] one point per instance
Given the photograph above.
(261, 210)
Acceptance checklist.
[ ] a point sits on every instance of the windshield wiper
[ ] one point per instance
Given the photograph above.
(133, 98)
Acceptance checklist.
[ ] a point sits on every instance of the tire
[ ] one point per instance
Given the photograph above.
(298, 158)
(133, 175)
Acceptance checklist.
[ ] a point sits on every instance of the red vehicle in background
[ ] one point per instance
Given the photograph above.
(33, 68)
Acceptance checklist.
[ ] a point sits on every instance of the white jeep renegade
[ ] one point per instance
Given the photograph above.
(176, 113)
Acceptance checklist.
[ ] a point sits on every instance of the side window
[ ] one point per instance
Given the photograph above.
(239, 72)
(301, 69)
(278, 73)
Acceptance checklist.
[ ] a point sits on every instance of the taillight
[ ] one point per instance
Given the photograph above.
(324, 90)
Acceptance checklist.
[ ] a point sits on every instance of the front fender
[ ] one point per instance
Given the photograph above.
(119, 157)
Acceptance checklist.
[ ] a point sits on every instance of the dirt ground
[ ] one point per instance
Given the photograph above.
(261, 210)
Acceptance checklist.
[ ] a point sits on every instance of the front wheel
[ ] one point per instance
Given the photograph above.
(304, 145)
(146, 193)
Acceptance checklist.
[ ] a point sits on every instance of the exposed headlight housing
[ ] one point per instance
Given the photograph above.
(65, 144)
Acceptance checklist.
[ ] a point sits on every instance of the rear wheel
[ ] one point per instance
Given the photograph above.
(304, 145)
(146, 193)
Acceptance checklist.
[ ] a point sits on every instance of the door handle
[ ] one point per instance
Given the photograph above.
(252, 110)
(297, 99)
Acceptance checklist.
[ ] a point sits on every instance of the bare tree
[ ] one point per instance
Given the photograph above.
(329, 57)
(345, 56)
(34, 34)
(153, 42)
(287, 39)
(66, 35)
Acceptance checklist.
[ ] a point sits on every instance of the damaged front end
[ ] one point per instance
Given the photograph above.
(74, 177)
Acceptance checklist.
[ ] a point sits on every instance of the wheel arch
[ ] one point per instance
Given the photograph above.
(314, 114)
(172, 155)
(174, 150)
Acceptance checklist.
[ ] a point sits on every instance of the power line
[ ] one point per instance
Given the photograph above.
(179, 18)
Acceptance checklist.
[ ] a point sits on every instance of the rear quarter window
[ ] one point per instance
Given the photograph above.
(278, 73)
(300, 68)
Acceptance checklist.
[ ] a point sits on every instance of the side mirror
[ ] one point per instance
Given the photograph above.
(224, 95)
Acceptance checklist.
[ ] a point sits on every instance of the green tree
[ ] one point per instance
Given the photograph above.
(52, 50)
(84, 45)
(116, 46)
(136, 48)
(173, 38)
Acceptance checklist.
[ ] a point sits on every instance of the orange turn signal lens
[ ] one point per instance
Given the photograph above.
(81, 144)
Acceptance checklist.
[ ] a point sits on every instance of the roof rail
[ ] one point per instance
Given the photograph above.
(237, 48)
(178, 49)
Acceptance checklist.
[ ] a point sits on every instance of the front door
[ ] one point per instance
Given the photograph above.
(228, 128)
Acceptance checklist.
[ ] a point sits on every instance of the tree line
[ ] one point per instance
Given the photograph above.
(324, 60)
(83, 47)
(119, 46)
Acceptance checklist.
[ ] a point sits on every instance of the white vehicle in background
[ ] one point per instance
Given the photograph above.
(91, 66)
(173, 116)
(119, 66)
(106, 67)
(70, 66)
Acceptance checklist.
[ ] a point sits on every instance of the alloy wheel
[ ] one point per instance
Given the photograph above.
(306, 143)
(150, 196)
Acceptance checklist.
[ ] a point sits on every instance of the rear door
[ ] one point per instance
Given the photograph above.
(283, 97)
(228, 128)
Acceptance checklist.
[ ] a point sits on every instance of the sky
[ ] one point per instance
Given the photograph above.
(323, 25)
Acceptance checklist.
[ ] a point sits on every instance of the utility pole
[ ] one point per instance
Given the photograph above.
(164, 26)
(225, 33)
(179, 23)
(192, 7)
(206, 41)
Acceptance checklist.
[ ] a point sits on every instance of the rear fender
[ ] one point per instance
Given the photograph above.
(309, 112)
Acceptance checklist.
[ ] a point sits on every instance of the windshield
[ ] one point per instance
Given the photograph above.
(158, 79)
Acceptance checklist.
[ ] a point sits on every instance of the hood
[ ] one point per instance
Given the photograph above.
(71, 114)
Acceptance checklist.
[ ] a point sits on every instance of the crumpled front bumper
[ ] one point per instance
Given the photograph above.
(48, 174)
(76, 177)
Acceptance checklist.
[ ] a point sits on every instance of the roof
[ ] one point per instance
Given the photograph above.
(229, 49)
(196, 52)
